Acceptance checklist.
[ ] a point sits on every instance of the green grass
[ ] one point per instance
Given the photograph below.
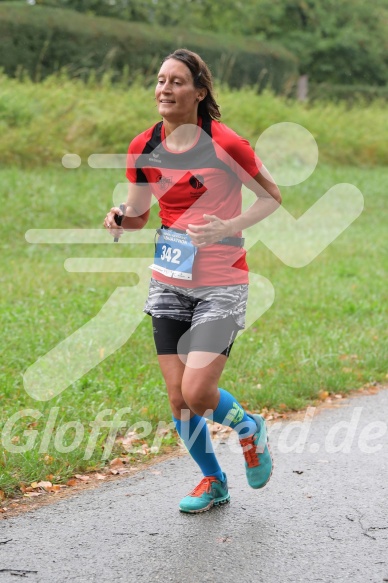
(39, 123)
(326, 330)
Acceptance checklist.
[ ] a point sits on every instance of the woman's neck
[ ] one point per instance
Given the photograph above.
(180, 136)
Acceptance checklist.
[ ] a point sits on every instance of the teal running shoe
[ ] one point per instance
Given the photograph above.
(258, 459)
(209, 492)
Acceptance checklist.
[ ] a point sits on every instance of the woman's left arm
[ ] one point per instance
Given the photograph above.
(268, 200)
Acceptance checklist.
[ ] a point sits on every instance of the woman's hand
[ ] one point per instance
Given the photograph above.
(109, 222)
(215, 230)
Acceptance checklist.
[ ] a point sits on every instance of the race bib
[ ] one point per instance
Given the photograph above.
(174, 254)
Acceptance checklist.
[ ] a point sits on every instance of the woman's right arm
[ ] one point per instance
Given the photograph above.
(137, 210)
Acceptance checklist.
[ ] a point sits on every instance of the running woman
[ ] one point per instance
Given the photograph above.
(195, 166)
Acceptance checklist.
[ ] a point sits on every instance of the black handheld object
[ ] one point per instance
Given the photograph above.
(118, 220)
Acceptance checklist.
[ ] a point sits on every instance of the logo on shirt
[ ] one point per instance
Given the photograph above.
(164, 182)
(155, 158)
(196, 181)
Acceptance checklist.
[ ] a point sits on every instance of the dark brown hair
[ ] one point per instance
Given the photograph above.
(202, 77)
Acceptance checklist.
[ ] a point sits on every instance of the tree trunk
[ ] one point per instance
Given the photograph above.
(303, 88)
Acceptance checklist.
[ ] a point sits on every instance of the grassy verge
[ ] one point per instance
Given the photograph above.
(326, 330)
(39, 123)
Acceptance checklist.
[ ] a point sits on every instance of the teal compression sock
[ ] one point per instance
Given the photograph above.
(196, 437)
(229, 412)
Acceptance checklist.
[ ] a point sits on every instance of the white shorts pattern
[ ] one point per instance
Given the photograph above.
(197, 305)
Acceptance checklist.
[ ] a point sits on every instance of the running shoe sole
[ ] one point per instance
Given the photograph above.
(217, 502)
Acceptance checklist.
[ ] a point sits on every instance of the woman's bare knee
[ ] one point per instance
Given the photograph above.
(200, 383)
(179, 407)
(172, 369)
(200, 395)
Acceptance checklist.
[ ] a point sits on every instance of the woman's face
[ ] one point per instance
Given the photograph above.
(176, 97)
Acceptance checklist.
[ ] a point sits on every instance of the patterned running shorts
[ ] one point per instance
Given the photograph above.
(197, 305)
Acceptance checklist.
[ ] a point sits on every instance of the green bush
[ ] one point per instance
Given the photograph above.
(43, 40)
(350, 93)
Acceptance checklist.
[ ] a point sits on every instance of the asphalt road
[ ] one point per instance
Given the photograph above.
(323, 517)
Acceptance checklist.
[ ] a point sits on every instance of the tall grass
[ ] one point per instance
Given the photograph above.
(39, 123)
(326, 330)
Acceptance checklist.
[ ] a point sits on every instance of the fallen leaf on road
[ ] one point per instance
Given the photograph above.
(116, 463)
(120, 470)
(100, 476)
(217, 430)
(128, 440)
(163, 431)
(24, 488)
(82, 478)
(322, 395)
(45, 485)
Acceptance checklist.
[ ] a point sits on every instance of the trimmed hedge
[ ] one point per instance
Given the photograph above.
(352, 94)
(42, 40)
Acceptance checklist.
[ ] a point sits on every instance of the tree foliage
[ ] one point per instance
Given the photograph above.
(342, 42)
(42, 40)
